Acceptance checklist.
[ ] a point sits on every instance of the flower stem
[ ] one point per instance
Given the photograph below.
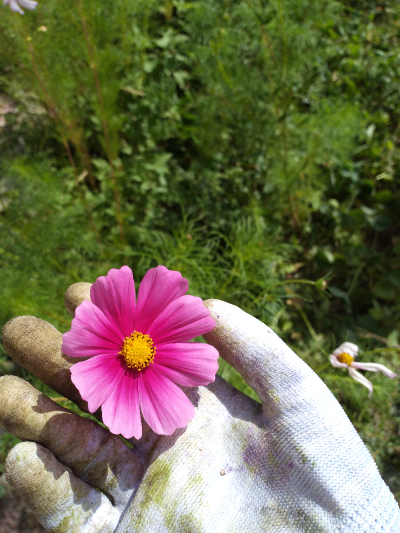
(93, 67)
(64, 140)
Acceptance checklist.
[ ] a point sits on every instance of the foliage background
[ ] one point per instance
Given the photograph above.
(252, 145)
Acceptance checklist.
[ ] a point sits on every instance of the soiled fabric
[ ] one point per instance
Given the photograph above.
(293, 464)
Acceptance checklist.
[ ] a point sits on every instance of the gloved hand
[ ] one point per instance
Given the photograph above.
(294, 464)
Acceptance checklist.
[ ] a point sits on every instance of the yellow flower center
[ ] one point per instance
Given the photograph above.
(345, 358)
(138, 351)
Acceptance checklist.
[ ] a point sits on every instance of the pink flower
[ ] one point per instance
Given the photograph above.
(343, 357)
(138, 351)
(15, 5)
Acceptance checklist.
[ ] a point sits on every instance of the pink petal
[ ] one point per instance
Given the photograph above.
(361, 379)
(114, 294)
(375, 367)
(121, 411)
(159, 288)
(15, 7)
(91, 333)
(184, 319)
(164, 406)
(190, 364)
(28, 4)
(96, 378)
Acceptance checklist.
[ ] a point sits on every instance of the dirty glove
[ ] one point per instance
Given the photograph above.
(293, 464)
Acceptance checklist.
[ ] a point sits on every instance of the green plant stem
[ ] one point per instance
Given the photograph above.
(64, 140)
(306, 321)
(104, 121)
(285, 282)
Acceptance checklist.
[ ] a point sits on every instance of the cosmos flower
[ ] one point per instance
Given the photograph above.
(139, 351)
(15, 5)
(343, 357)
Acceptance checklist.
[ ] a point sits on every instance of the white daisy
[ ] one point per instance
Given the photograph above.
(343, 357)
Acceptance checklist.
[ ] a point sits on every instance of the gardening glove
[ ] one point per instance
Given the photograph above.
(293, 464)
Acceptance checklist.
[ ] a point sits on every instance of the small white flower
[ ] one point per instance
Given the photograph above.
(343, 357)
(15, 5)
